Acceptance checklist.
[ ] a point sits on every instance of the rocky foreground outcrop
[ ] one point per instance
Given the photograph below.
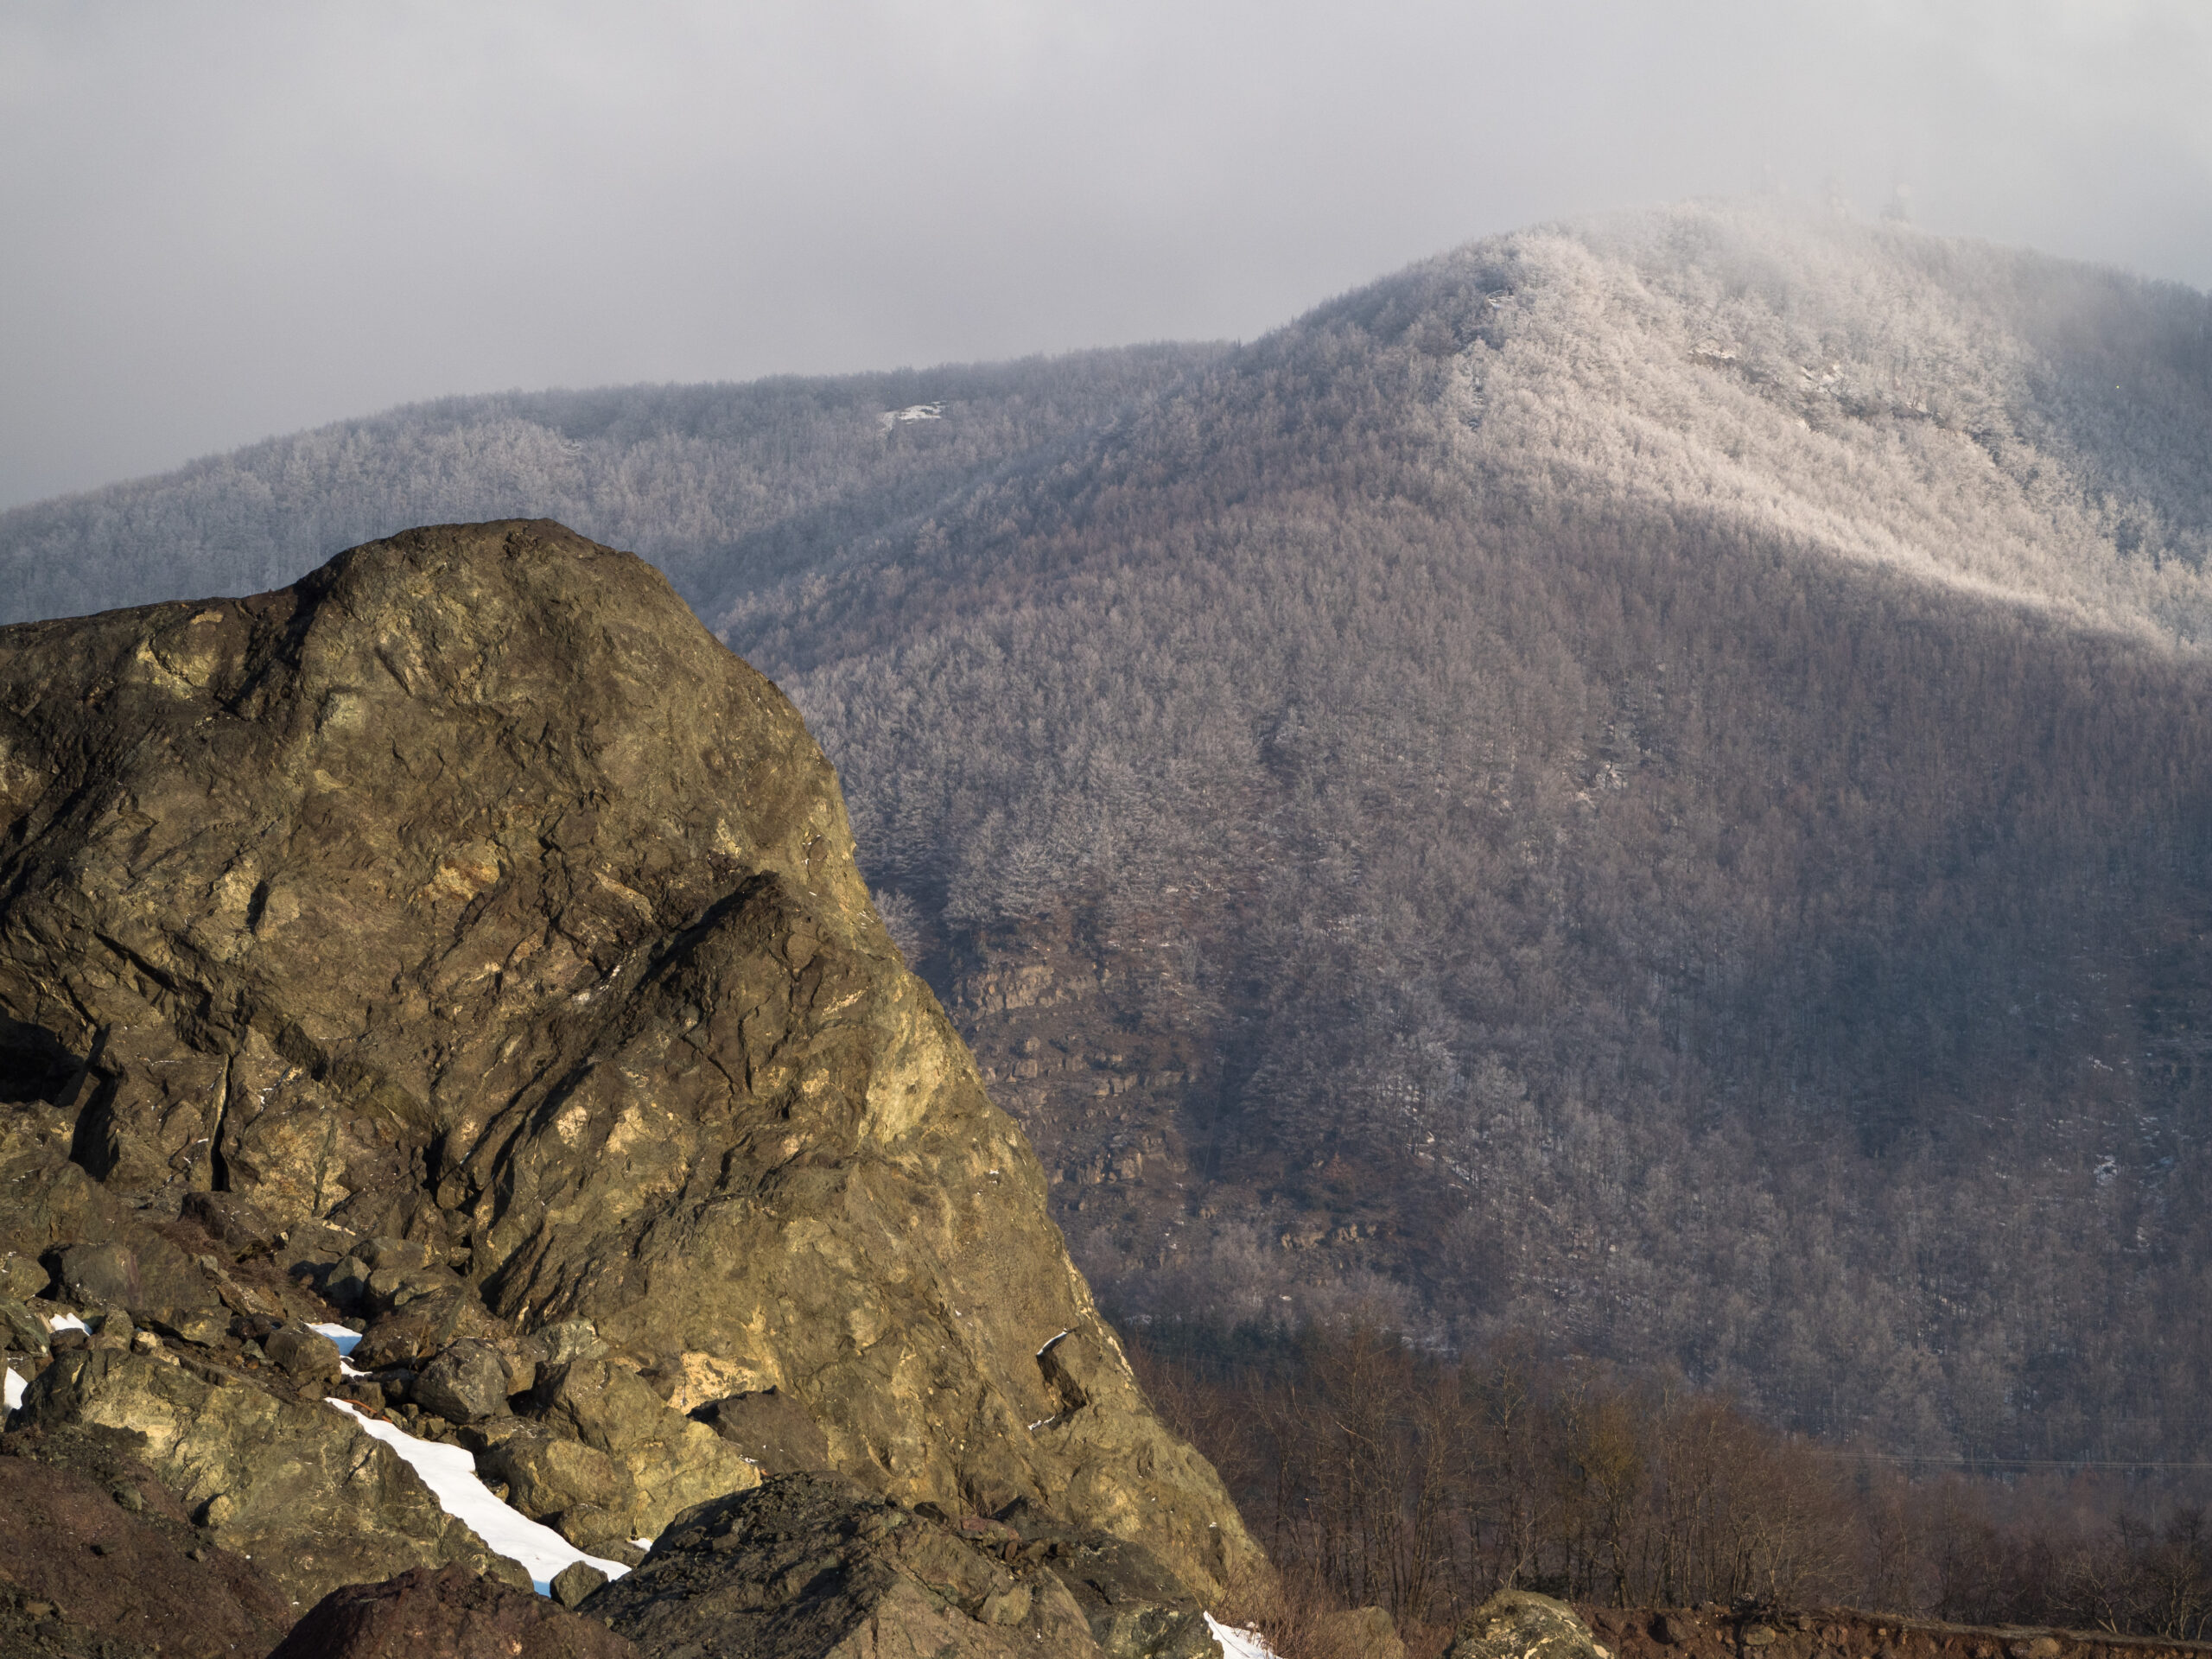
(462, 942)
(812, 1564)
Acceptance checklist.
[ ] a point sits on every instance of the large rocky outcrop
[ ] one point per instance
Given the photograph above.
(474, 916)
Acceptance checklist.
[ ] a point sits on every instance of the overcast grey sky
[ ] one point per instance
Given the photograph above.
(228, 221)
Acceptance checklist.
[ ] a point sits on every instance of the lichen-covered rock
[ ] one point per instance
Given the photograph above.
(1521, 1624)
(468, 894)
(451, 1613)
(296, 1486)
(672, 1462)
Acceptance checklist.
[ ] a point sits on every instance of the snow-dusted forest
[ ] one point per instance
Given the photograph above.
(1643, 783)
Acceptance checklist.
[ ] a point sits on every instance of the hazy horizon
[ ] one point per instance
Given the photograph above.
(231, 225)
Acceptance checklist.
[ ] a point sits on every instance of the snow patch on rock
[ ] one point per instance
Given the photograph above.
(450, 1473)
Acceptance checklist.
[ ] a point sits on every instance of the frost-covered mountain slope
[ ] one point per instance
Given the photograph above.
(2005, 423)
(722, 485)
(1644, 781)
(1484, 806)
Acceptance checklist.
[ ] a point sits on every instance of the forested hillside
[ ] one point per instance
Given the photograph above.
(723, 486)
(1644, 784)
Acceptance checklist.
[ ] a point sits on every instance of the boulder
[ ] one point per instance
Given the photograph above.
(812, 1564)
(91, 1537)
(296, 1486)
(469, 903)
(1521, 1624)
(672, 1461)
(95, 1275)
(465, 1384)
(307, 1356)
(770, 1429)
(449, 1612)
(232, 1220)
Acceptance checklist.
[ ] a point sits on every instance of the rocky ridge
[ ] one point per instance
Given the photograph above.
(462, 943)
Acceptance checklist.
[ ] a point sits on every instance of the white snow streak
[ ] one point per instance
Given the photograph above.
(16, 1386)
(891, 418)
(450, 1473)
(347, 1341)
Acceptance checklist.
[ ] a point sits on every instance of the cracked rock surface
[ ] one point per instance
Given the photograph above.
(464, 939)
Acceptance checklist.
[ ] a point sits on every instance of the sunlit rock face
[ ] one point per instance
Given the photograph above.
(469, 893)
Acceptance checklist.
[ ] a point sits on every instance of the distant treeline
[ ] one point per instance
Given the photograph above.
(1377, 1475)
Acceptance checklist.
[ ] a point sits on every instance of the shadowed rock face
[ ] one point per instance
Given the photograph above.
(100, 1558)
(451, 1613)
(470, 893)
(810, 1564)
